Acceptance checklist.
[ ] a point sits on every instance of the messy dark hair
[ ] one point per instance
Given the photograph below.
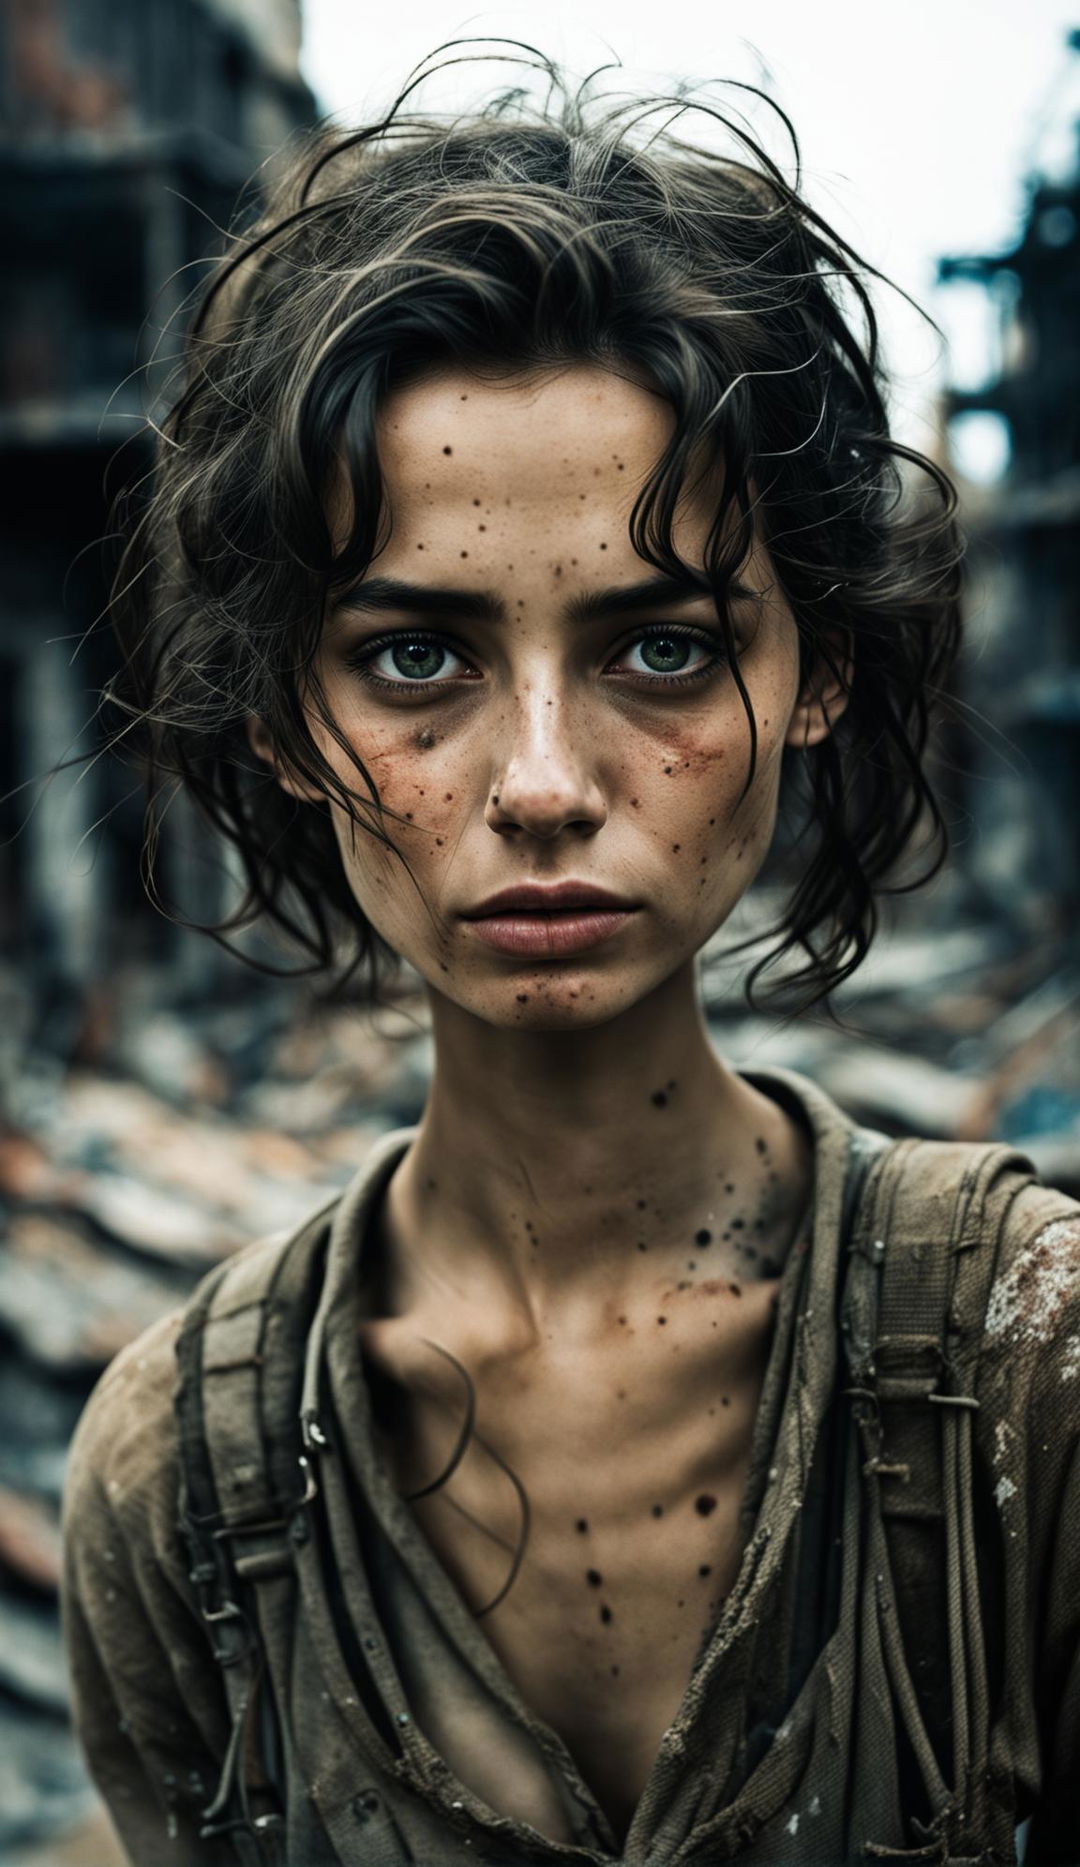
(531, 234)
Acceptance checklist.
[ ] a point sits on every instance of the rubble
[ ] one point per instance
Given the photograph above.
(125, 1174)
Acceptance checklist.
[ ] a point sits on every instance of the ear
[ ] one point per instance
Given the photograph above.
(823, 696)
(261, 743)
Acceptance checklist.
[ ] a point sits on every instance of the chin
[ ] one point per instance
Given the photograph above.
(572, 1002)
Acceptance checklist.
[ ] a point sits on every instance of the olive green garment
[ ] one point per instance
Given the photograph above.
(405, 1740)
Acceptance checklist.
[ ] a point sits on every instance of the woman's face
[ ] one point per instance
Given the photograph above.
(534, 712)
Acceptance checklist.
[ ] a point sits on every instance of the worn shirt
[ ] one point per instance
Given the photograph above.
(406, 1741)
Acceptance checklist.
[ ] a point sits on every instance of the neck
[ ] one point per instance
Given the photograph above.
(568, 1163)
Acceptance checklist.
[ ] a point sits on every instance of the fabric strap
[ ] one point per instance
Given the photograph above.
(924, 1252)
(242, 1504)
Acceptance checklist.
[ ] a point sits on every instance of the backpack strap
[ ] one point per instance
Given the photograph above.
(923, 1252)
(241, 1504)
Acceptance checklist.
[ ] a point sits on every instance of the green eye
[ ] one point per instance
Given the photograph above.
(417, 660)
(408, 661)
(665, 654)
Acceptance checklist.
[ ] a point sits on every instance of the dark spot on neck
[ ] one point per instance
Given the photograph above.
(705, 1568)
(448, 450)
(658, 1510)
(705, 1504)
(735, 1290)
(661, 1319)
(605, 1614)
(659, 1099)
(594, 1578)
(703, 1238)
(581, 1526)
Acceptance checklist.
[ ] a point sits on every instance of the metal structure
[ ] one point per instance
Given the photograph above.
(1024, 678)
(130, 129)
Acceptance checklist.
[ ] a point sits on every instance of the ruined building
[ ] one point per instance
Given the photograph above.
(130, 127)
(1023, 852)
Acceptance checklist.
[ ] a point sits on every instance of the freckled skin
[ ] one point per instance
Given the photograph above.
(679, 758)
(548, 748)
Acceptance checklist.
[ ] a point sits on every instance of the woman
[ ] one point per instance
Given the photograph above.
(528, 528)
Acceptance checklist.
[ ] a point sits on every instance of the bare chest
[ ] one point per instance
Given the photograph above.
(593, 1526)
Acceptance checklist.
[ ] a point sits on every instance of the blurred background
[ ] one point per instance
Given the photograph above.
(160, 1104)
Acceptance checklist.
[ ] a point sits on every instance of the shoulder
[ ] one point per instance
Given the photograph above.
(1032, 1325)
(1028, 1378)
(122, 1469)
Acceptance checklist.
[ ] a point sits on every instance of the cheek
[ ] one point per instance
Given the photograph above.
(418, 786)
(693, 798)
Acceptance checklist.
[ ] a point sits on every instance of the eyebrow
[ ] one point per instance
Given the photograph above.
(379, 594)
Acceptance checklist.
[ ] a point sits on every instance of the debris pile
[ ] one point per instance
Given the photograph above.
(126, 1172)
(953, 1033)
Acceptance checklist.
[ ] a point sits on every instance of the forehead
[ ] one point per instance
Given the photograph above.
(578, 438)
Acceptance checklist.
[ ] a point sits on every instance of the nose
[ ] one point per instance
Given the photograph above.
(547, 781)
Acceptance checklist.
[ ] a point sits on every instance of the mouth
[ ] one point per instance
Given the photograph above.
(549, 920)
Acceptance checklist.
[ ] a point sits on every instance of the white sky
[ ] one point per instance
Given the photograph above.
(917, 125)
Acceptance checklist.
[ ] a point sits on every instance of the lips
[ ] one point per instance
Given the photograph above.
(538, 921)
(550, 898)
